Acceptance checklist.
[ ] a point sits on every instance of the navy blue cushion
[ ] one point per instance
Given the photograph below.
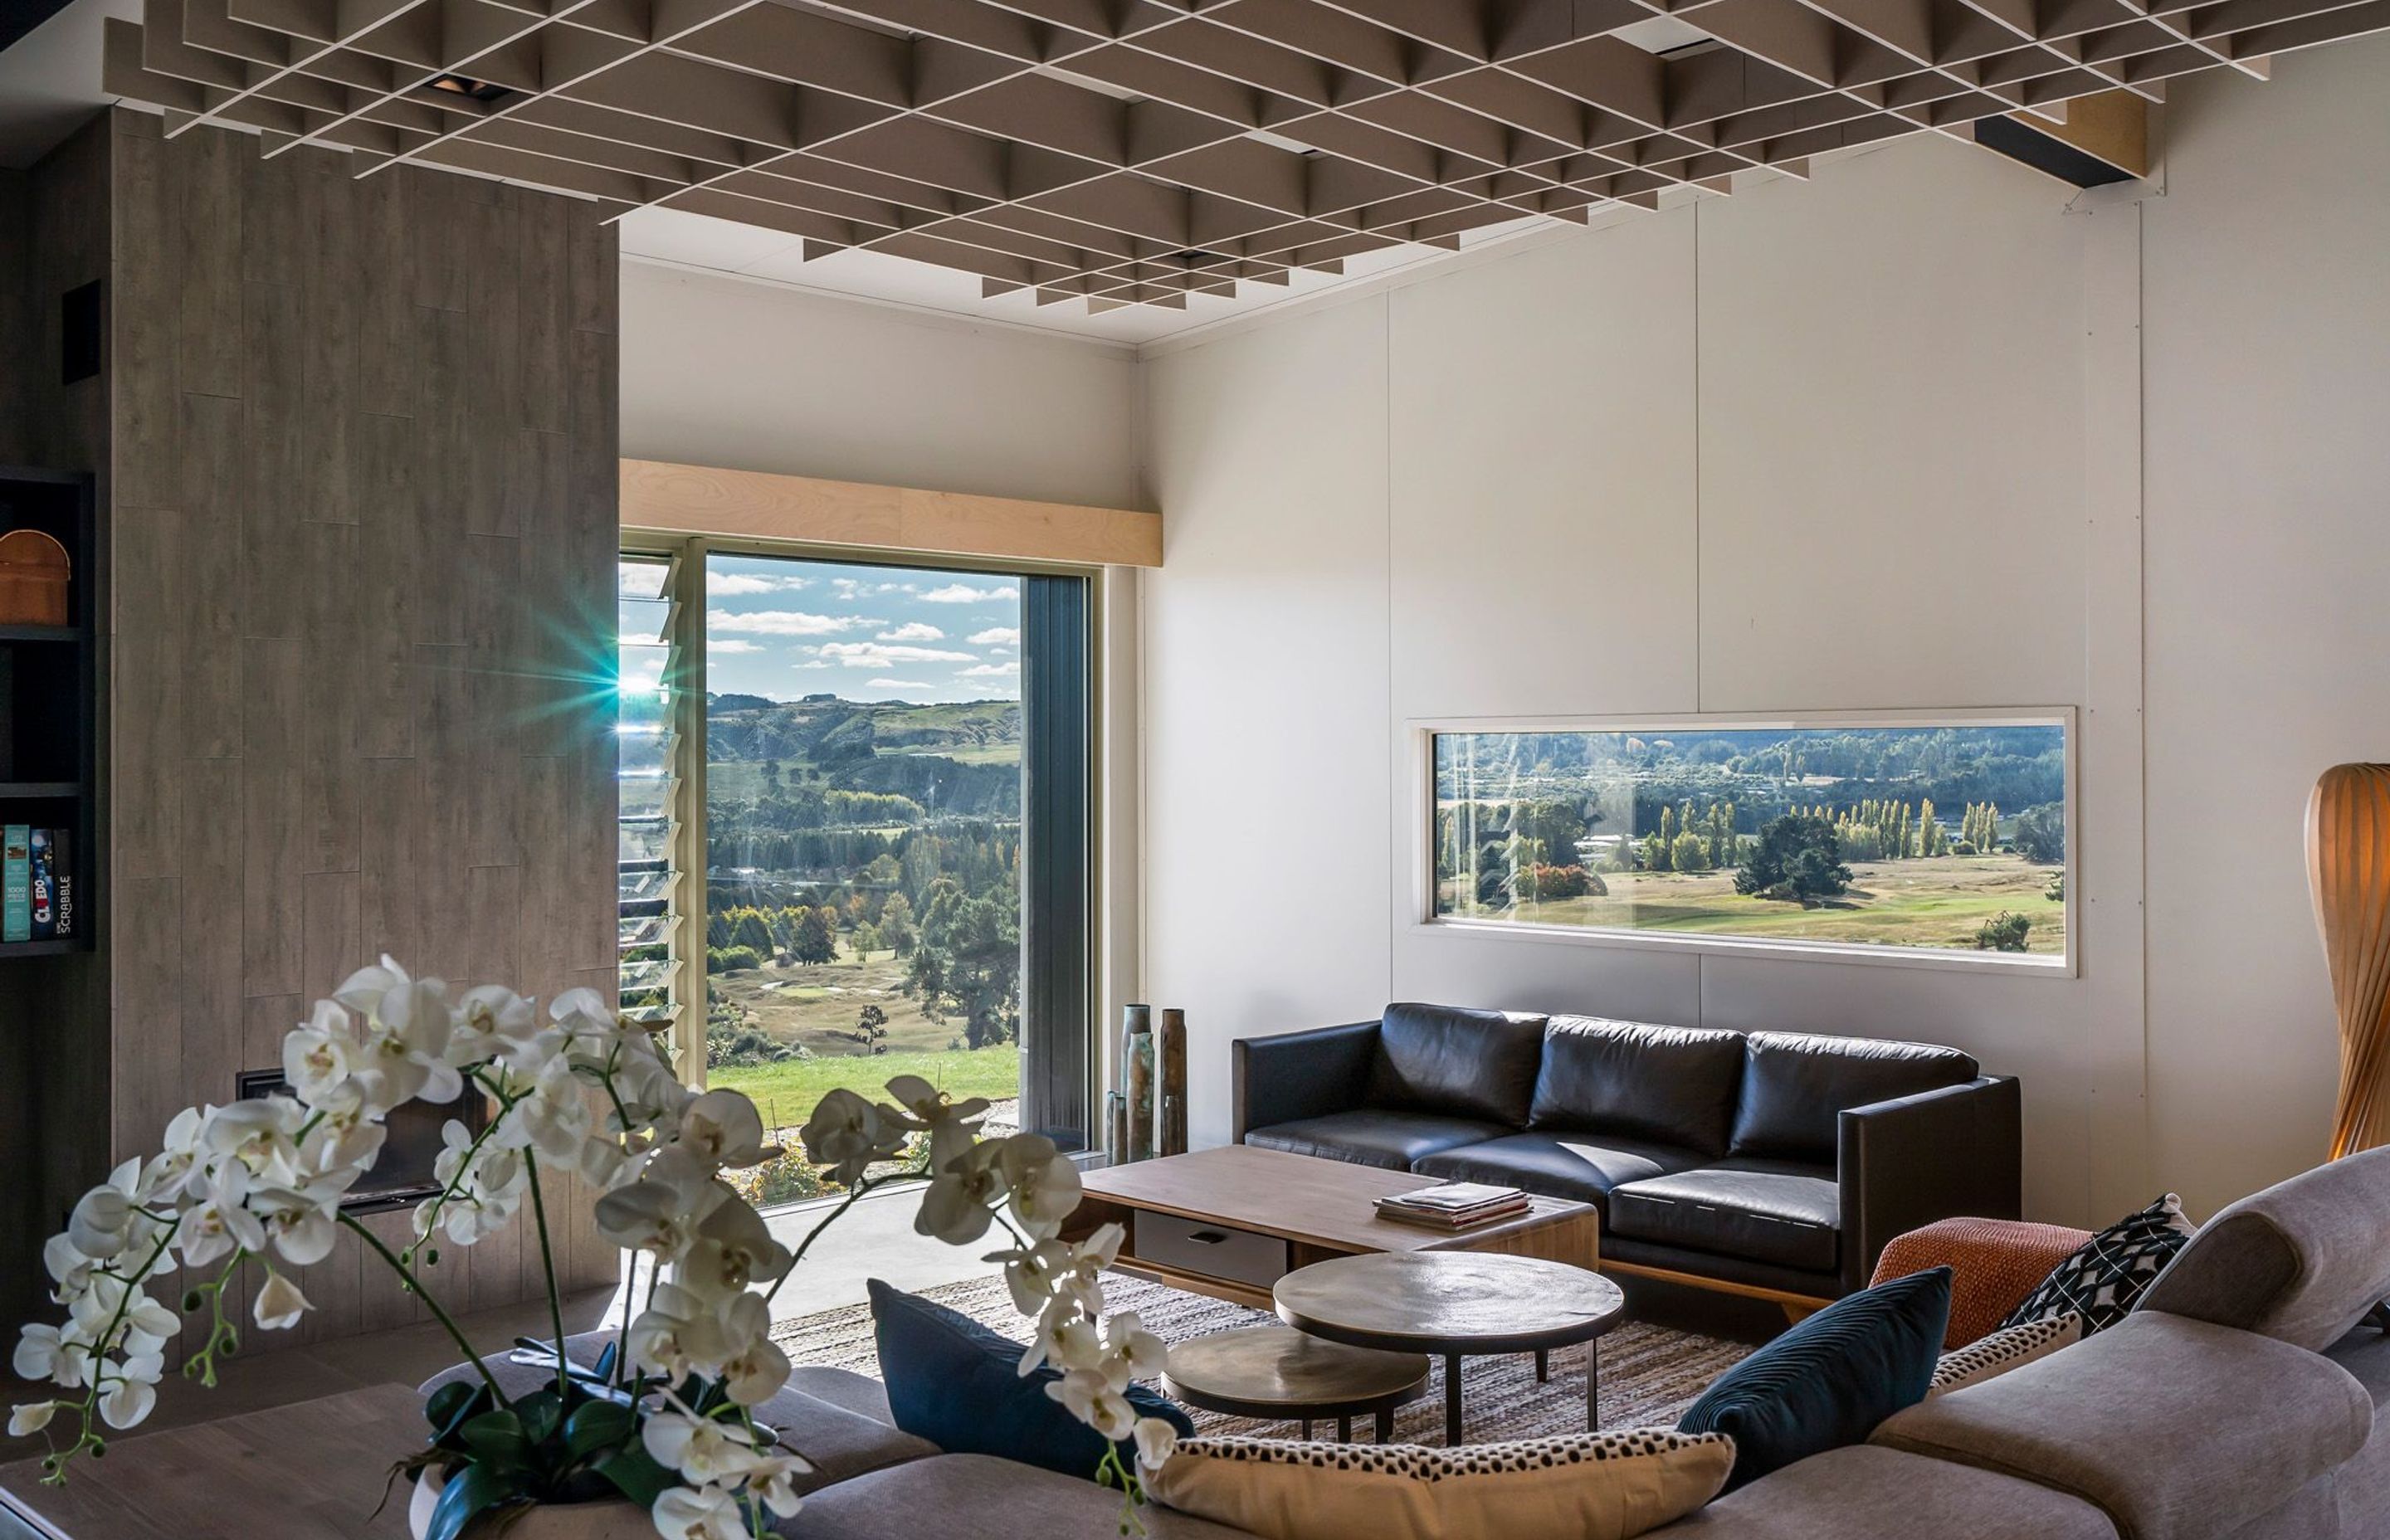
(1827, 1382)
(955, 1382)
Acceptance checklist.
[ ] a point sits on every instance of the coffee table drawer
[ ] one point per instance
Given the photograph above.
(1216, 1250)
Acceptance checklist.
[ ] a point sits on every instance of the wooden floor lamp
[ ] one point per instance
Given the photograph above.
(2348, 871)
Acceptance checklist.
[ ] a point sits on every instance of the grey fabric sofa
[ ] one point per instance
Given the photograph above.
(2242, 1402)
(1777, 1164)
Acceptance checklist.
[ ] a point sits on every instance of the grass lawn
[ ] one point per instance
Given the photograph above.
(1932, 903)
(817, 1008)
(787, 1091)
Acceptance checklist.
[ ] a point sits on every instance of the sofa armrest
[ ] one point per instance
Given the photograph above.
(1299, 1074)
(2177, 1430)
(1941, 1154)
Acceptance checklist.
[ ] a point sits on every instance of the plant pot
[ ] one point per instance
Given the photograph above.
(613, 1518)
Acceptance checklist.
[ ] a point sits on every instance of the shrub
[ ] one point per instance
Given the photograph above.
(1796, 856)
(2005, 932)
(1552, 882)
(731, 959)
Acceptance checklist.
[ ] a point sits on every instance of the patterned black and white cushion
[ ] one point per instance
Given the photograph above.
(1574, 1487)
(2104, 1277)
(2010, 1347)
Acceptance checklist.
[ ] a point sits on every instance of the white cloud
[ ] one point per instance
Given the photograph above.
(855, 589)
(897, 684)
(782, 622)
(963, 593)
(879, 655)
(997, 635)
(723, 585)
(988, 670)
(913, 631)
(731, 644)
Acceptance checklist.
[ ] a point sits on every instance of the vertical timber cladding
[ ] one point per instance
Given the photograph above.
(364, 524)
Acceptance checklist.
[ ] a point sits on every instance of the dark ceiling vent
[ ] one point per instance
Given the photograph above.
(479, 90)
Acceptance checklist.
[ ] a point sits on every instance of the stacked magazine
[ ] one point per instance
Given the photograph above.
(1454, 1206)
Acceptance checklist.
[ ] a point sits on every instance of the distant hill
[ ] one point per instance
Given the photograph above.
(962, 757)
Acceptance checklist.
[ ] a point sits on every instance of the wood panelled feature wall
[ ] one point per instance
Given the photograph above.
(361, 496)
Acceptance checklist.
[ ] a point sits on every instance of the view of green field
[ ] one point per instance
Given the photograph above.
(1927, 838)
(1941, 902)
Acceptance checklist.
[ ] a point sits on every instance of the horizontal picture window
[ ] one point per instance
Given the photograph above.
(1918, 837)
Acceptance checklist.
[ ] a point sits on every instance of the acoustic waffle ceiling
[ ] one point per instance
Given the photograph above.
(1132, 151)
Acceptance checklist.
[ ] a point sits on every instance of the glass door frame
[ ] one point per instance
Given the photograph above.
(688, 788)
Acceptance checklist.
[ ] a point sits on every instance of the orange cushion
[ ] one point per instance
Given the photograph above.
(1994, 1264)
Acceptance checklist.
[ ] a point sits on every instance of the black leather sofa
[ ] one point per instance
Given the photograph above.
(1768, 1163)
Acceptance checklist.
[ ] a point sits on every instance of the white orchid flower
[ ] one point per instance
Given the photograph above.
(319, 1053)
(754, 1369)
(1156, 1441)
(702, 1449)
(1086, 1396)
(953, 1125)
(660, 1211)
(131, 1390)
(722, 1127)
(772, 1481)
(603, 1163)
(406, 1050)
(30, 1418)
(697, 1513)
(958, 1206)
(493, 1021)
(733, 1251)
(260, 1135)
(848, 1134)
(553, 1116)
(101, 1225)
(279, 1303)
(665, 1338)
(219, 1222)
(1134, 1353)
(113, 1302)
(363, 991)
(67, 1267)
(344, 1138)
(167, 1176)
(1043, 1184)
(60, 1355)
(303, 1222)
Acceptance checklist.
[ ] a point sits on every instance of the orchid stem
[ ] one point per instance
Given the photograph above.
(406, 1276)
(547, 1264)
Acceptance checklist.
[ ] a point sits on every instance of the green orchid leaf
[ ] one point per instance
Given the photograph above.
(497, 1439)
(450, 1404)
(541, 1413)
(472, 1490)
(636, 1475)
(597, 1425)
(606, 1357)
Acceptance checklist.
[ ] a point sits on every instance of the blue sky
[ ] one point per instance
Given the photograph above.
(783, 629)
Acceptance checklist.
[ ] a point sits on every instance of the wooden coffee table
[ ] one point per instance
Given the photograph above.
(1231, 1222)
(1456, 1304)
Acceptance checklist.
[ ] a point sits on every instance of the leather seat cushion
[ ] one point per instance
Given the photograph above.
(1374, 1136)
(1794, 1085)
(1673, 1085)
(1582, 1166)
(1785, 1212)
(1462, 1063)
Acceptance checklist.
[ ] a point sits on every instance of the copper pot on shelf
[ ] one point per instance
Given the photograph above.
(33, 577)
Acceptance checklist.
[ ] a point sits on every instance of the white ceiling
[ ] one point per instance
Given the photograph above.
(49, 84)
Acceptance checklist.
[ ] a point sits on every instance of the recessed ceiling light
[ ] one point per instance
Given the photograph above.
(1665, 35)
(479, 90)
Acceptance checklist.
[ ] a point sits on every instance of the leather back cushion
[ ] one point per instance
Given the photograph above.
(1793, 1085)
(1668, 1085)
(1466, 1063)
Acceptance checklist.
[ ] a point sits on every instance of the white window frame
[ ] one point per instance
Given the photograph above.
(1419, 748)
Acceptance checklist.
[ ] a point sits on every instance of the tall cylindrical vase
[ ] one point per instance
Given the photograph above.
(1137, 1077)
(2348, 872)
(1170, 1095)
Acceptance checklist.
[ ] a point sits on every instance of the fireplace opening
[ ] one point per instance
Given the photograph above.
(401, 1175)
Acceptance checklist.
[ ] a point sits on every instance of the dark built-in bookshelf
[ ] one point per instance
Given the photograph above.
(49, 767)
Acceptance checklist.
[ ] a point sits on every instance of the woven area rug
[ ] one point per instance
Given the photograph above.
(1650, 1374)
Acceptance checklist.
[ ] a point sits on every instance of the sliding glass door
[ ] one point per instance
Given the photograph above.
(890, 792)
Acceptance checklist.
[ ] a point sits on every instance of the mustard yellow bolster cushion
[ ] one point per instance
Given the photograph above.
(1579, 1486)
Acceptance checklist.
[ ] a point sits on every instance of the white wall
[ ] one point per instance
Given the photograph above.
(1912, 383)
(2267, 308)
(727, 372)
